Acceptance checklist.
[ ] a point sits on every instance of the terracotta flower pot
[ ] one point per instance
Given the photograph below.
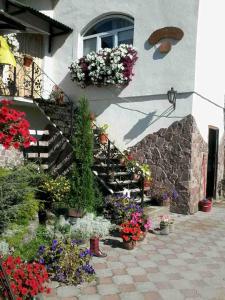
(129, 245)
(136, 176)
(143, 236)
(27, 61)
(74, 213)
(103, 138)
(92, 116)
(147, 183)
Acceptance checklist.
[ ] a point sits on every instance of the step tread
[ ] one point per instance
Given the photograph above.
(122, 182)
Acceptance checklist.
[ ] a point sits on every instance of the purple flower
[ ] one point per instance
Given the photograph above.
(175, 194)
(165, 196)
(41, 261)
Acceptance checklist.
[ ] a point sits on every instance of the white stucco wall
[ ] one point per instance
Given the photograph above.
(136, 110)
(210, 62)
(142, 107)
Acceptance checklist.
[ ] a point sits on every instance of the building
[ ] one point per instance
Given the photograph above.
(183, 144)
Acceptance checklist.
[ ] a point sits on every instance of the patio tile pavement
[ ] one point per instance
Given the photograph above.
(187, 264)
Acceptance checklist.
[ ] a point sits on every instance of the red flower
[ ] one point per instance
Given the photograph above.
(26, 279)
(14, 128)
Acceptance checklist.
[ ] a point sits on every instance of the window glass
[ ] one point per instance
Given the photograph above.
(108, 33)
(125, 37)
(109, 24)
(90, 45)
(107, 41)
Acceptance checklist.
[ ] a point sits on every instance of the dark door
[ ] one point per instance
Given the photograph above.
(212, 163)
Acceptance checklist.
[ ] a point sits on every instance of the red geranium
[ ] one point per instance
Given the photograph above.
(26, 279)
(130, 231)
(14, 128)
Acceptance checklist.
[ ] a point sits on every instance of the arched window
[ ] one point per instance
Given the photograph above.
(108, 33)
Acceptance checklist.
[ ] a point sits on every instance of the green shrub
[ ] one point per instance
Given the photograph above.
(27, 251)
(18, 188)
(57, 190)
(82, 196)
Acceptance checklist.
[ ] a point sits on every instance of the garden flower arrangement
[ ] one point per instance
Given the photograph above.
(119, 209)
(58, 188)
(165, 220)
(90, 226)
(14, 128)
(26, 279)
(143, 221)
(67, 262)
(130, 231)
(12, 41)
(105, 67)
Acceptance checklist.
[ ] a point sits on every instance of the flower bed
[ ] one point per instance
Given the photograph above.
(67, 262)
(106, 67)
(26, 279)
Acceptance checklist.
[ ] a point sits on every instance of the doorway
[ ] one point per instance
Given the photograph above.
(213, 142)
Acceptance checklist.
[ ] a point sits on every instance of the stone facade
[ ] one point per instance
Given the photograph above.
(175, 155)
(198, 171)
(11, 157)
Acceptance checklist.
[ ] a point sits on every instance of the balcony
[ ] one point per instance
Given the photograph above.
(29, 82)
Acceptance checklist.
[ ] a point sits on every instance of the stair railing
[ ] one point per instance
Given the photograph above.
(111, 165)
(32, 82)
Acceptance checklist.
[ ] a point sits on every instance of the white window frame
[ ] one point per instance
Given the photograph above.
(99, 36)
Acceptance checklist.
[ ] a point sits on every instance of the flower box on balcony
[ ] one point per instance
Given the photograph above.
(105, 67)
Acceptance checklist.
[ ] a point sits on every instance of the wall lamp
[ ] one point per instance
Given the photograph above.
(172, 97)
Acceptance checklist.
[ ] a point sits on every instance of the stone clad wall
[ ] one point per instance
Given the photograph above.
(175, 157)
(199, 160)
(10, 158)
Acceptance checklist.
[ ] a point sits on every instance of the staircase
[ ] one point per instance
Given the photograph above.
(53, 150)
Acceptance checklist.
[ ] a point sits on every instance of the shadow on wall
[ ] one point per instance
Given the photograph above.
(157, 54)
(102, 98)
(145, 122)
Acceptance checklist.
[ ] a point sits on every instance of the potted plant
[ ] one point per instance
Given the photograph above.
(164, 224)
(103, 136)
(145, 169)
(93, 228)
(111, 176)
(130, 233)
(171, 225)
(27, 60)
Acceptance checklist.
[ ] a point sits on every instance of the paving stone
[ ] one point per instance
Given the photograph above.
(90, 297)
(136, 271)
(107, 289)
(110, 297)
(171, 294)
(152, 296)
(68, 291)
(145, 286)
(131, 296)
(122, 279)
(127, 287)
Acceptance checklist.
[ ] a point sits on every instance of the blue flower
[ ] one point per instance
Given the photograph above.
(41, 261)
